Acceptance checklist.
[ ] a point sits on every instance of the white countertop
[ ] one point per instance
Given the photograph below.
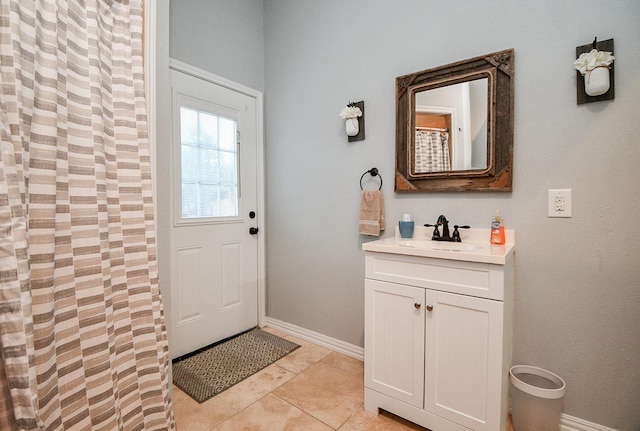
(475, 246)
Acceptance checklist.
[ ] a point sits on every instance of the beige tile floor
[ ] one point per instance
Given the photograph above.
(310, 389)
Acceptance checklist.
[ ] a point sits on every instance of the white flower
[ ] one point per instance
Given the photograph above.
(350, 112)
(590, 60)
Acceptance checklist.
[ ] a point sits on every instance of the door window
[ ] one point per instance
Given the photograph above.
(208, 165)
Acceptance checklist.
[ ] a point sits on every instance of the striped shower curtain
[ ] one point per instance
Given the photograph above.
(82, 335)
(432, 151)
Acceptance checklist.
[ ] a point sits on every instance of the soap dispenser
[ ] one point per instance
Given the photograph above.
(497, 230)
(406, 226)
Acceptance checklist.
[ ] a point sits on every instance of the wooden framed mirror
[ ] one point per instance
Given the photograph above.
(454, 126)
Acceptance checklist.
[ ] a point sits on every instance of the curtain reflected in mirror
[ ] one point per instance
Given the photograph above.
(431, 151)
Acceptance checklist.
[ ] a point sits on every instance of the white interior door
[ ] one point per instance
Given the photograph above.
(214, 239)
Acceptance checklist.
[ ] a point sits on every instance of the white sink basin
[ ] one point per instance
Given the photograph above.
(442, 245)
(475, 247)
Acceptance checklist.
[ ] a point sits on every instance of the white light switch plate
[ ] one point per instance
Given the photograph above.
(559, 202)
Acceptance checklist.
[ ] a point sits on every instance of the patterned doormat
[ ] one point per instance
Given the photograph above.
(217, 368)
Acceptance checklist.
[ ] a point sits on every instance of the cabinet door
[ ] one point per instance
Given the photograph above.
(463, 359)
(394, 340)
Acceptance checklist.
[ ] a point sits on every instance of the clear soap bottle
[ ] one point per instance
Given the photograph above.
(497, 229)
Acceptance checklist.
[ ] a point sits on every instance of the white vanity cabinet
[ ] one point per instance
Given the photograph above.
(438, 339)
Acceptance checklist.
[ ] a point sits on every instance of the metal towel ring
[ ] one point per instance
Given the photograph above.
(374, 173)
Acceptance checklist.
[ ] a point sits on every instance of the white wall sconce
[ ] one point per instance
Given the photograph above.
(594, 66)
(353, 116)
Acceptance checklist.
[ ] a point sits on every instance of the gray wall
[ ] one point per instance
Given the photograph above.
(577, 293)
(577, 287)
(224, 37)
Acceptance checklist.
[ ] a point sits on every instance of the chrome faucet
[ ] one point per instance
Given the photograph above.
(442, 221)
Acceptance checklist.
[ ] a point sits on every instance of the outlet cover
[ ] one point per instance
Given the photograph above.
(559, 203)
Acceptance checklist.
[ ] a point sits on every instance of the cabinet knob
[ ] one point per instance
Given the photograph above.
(417, 305)
(429, 307)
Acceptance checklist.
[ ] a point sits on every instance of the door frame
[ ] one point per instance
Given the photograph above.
(258, 97)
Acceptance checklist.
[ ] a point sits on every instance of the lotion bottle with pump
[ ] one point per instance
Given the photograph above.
(497, 230)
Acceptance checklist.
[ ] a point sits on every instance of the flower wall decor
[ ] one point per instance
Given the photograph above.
(353, 116)
(588, 61)
(594, 64)
(350, 111)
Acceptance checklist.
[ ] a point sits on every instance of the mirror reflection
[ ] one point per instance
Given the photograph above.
(451, 128)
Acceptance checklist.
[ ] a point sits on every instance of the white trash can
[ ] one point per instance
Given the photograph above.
(536, 398)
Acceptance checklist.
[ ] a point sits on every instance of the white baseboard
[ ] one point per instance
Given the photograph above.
(316, 338)
(570, 423)
(567, 423)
